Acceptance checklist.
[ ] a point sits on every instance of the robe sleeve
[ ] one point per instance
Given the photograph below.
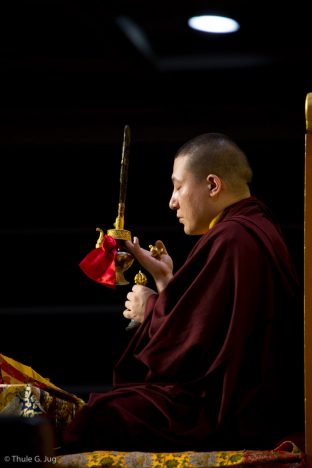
(150, 304)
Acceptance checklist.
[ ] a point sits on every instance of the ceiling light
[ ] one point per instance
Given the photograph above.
(213, 24)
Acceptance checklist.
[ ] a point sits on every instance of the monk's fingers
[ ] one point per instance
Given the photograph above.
(127, 314)
(135, 249)
(136, 288)
(128, 305)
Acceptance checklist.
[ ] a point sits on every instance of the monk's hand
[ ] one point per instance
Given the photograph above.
(159, 265)
(136, 302)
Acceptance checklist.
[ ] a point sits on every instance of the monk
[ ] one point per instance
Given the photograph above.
(213, 364)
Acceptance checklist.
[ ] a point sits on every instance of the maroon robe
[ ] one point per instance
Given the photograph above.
(213, 364)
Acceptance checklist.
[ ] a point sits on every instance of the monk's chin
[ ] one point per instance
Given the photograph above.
(189, 232)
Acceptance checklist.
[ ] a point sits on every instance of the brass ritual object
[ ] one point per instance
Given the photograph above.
(124, 259)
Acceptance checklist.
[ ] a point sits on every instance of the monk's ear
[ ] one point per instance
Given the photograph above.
(214, 184)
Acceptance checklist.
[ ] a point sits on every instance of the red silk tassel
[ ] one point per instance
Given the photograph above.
(99, 264)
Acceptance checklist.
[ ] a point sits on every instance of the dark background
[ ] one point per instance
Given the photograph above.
(73, 74)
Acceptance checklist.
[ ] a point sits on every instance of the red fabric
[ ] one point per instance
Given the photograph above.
(213, 365)
(99, 264)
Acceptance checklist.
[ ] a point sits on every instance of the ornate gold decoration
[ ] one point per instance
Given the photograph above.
(99, 242)
(140, 278)
(121, 234)
(155, 251)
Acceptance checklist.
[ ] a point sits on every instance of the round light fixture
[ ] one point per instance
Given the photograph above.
(213, 24)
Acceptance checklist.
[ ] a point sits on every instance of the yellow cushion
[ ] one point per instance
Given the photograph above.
(285, 455)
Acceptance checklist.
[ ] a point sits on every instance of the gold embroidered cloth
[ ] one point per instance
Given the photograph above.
(27, 400)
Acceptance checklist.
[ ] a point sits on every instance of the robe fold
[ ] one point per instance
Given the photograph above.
(216, 362)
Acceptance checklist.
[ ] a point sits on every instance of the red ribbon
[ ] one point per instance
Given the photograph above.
(99, 264)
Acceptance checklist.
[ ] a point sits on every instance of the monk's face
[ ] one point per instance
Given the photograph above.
(190, 199)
